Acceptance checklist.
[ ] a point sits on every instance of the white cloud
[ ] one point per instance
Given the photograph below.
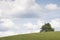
(7, 23)
(34, 27)
(9, 27)
(40, 23)
(51, 6)
(29, 25)
(7, 33)
(55, 23)
(17, 7)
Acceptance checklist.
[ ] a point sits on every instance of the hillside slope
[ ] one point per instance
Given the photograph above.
(35, 36)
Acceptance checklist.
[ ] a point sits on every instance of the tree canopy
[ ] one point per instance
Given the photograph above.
(46, 28)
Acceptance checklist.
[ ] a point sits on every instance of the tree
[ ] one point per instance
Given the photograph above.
(46, 28)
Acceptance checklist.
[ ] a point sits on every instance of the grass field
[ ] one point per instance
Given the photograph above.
(35, 36)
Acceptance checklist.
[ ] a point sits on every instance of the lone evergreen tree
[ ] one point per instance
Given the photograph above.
(46, 28)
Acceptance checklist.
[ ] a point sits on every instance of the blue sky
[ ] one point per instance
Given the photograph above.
(43, 2)
(27, 16)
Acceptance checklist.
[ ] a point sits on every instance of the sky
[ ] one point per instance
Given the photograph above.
(27, 16)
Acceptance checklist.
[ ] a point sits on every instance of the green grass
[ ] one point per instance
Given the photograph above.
(35, 36)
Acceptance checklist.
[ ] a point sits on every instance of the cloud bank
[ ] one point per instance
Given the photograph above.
(27, 16)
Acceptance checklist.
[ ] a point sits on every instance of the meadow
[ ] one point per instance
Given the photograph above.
(35, 36)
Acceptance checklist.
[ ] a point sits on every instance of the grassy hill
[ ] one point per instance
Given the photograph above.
(35, 36)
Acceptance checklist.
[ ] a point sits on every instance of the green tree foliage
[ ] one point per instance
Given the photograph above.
(46, 28)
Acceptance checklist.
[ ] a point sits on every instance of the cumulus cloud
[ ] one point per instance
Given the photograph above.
(34, 27)
(40, 23)
(7, 23)
(7, 33)
(6, 26)
(17, 8)
(29, 25)
(11, 9)
(9, 27)
(55, 23)
(51, 6)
